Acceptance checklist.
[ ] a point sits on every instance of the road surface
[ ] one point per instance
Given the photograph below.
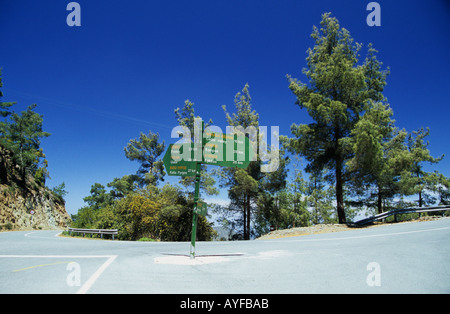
(398, 258)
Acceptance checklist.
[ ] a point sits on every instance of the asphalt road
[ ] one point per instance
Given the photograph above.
(400, 258)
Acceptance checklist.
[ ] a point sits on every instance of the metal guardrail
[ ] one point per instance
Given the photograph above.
(384, 215)
(94, 231)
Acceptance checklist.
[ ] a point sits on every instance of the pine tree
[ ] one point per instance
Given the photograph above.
(21, 135)
(186, 118)
(99, 198)
(443, 188)
(121, 187)
(23, 138)
(333, 99)
(379, 154)
(146, 151)
(319, 199)
(244, 115)
(5, 110)
(299, 214)
(243, 183)
(375, 77)
(416, 180)
(280, 203)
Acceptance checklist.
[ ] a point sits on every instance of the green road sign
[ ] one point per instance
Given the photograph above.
(219, 150)
(174, 163)
(201, 208)
(227, 150)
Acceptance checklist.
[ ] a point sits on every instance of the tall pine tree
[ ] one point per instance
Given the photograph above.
(21, 135)
(23, 138)
(334, 97)
(243, 183)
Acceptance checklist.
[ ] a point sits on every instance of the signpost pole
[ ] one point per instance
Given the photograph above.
(195, 215)
(197, 193)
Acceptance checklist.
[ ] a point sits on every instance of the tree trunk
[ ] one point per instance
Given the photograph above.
(247, 205)
(379, 201)
(339, 192)
(3, 171)
(245, 218)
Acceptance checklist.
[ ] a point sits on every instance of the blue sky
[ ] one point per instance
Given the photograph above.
(131, 63)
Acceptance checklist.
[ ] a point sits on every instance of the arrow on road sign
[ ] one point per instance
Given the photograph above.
(175, 165)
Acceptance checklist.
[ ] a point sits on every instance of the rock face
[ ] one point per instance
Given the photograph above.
(16, 208)
(21, 195)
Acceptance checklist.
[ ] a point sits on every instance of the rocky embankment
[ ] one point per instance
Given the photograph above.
(31, 211)
(24, 203)
(16, 210)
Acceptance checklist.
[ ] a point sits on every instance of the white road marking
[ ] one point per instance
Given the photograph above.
(88, 284)
(32, 235)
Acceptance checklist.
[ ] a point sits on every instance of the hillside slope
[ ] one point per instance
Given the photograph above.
(20, 198)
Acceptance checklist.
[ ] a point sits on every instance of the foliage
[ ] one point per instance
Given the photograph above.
(120, 187)
(353, 136)
(20, 136)
(379, 155)
(319, 199)
(99, 198)
(243, 184)
(157, 213)
(146, 150)
(186, 118)
(334, 99)
(415, 180)
(5, 110)
(60, 191)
